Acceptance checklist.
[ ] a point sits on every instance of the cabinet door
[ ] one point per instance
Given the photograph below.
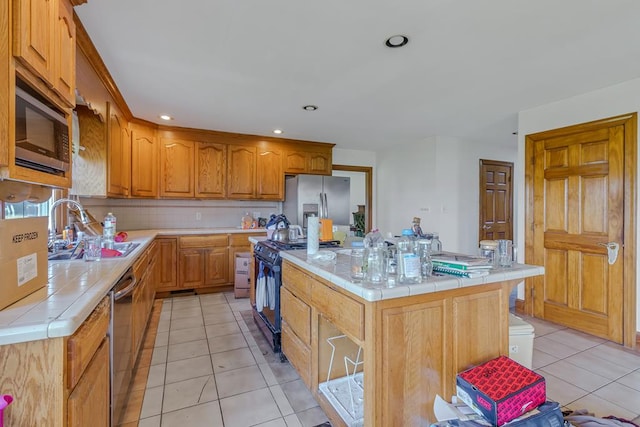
(176, 168)
(295, 162)
(118, 156)
(270, 182)
(64, 53)
(216, 268)
(211, 169)
(88, 404)
(191, 268)
(241, 172)
(33, 22)
(144, 162)
(320, 163)
(167, 265)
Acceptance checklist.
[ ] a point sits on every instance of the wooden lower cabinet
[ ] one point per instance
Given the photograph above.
(199, 261)
(60, 381)
(411, 347)
(167, 264)
(87, 405)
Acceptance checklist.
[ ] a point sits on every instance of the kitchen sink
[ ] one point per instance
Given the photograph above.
(125, 248)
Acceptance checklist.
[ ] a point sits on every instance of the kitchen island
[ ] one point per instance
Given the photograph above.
(377, 355)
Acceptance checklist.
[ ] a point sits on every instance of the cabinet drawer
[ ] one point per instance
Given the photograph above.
(298, 354)
(203, 241)
(242, 239)
(345, 313)
(297, 314)
(83, 344)
(297, 281)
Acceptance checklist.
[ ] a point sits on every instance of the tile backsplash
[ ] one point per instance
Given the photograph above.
(138, 214)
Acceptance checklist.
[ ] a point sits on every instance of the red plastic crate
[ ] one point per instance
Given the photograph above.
(501, 389)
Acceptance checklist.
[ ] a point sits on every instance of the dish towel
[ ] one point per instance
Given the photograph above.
(271, 291)
(260, 288)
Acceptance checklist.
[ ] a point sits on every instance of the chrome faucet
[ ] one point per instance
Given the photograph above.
(52, 218)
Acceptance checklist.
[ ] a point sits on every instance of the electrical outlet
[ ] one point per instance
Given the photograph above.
(427, 209)
(513, 349)
(198, 216)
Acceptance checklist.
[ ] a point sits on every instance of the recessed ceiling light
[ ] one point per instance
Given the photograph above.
(397, 41)
(165, 117)
(277, 131)
(310, 107)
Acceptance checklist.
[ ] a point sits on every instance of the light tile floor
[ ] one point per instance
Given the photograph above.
(208, 370)
(210, 366)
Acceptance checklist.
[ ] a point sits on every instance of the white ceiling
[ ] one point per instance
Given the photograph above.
(249, 66)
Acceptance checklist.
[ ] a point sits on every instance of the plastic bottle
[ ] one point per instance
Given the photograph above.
(408, 260)
(109, 231)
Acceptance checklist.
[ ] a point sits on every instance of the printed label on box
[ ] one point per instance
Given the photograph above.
(27, 268)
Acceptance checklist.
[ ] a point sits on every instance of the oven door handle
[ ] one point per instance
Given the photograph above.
(129, 277)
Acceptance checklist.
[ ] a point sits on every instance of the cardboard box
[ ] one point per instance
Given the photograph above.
(501, 390)
(23, 258)
(242, 277)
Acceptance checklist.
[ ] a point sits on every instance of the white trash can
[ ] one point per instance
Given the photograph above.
(521, 336)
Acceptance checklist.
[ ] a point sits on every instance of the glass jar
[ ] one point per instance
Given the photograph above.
(424, 252)
(375, 264)
(408, 260)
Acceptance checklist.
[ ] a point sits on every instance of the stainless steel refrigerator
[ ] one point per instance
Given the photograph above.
(321, 196)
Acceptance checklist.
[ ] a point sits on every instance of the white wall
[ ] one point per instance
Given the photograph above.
(438, 181)
(611, 101)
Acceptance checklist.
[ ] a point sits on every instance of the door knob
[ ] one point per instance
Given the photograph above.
(486, 227)
(612, 251)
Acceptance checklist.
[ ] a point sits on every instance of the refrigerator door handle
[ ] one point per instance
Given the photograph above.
(326, 206)
(321, 207)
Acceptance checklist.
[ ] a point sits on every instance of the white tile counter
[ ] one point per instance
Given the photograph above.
(75, 288)
(337, 272)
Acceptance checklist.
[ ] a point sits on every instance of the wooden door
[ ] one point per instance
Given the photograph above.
(168, 265)
(64, 64)
(270, 182)
(88, 404)
(241, 172)
(32, 34)
(496, 200)
(116, 155)
(191, 268)
(216, 266)
(144, 162)
(577, 178)
(177, 168)
(211, 169)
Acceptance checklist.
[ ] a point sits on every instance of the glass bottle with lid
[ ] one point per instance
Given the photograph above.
(408, 260)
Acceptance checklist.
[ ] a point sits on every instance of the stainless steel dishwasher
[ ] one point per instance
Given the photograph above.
(121, 343)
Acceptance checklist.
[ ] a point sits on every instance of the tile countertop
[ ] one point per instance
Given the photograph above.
(75, 288)
(337, 272)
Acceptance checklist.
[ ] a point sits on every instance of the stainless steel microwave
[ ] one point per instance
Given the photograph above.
(42, 135)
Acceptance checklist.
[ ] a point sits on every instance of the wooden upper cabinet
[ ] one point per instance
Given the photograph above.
(44, 40)
(296, 162)
(211, 169)
(317, 162)
(241, 172)
(118, 155)
(64, 54)
(320, 163)
(33, 23)
(177, 168)
(144, 162)
(270, 182)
